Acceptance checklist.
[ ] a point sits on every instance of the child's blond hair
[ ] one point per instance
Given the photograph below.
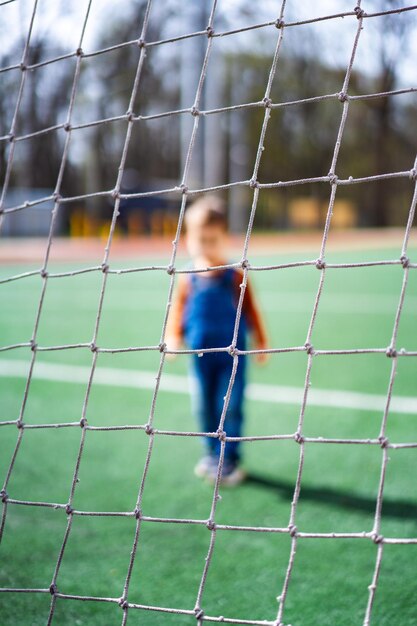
(207, 210)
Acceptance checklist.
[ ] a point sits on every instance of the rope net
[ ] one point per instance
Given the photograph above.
(184, 194)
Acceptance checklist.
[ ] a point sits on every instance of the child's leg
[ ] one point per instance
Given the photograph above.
(203, 398)
(234, 416)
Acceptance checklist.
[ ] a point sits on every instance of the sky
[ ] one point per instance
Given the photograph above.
(62, 20)
(331, 40)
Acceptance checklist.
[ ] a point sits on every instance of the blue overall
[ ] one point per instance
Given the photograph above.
(208, 322)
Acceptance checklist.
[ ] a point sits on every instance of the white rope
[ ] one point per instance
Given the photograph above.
(303, 397)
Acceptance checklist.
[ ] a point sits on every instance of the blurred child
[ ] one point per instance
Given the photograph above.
(203, 316)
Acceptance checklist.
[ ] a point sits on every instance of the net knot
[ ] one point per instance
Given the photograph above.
(123, 603)
(137, 513)
(93, 347)
(333, 178)
(67, 127)
(194, 112)
(105, 268)
(359, 12)
(53, 589)
(298, 437)
(183, 188)
(20, 424)
(245, 264)
(141, 43)
(170, 270)
(267, 103)
(56, 197)
(44, 273)
(210, 31)
(115, 194)
(391, 352)
(83, 422)
(377, 538)
(342, 96)
(221, 434)
(413, 174)
(4, 495)
(292, 529)
(33, 345)
(130, 116)
(199, 613)
(68, 509)
(279, 23)
(210, 524)
(232, 351)
(23, 67)
(405, 261)
(79, 52)
(162, 347)
(320, 264)
(149, 430)
(384, 441)
(309, 348)
(253, 183)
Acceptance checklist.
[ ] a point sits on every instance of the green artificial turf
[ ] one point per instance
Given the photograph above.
(330, 578)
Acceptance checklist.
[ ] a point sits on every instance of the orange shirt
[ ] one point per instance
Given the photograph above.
(249, 308)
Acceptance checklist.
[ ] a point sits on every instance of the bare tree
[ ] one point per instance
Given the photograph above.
(392, 35)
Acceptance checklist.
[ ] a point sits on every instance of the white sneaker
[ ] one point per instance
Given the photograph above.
(232, 474)
(206, 466)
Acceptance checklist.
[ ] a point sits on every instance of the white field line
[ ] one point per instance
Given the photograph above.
(138, 379)
(289, 302)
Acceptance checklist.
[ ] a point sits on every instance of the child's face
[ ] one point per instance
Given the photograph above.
(208, 241)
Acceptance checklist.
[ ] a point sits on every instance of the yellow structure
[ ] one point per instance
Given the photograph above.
(307, 213)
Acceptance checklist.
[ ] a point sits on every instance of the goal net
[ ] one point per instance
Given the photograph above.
(184, 191)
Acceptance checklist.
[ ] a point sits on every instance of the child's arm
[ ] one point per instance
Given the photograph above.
(174, 331)
(256, 323)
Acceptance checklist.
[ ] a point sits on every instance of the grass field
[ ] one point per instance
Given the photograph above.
(329, 584)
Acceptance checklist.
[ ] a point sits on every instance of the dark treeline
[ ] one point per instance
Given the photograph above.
(379, 135)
